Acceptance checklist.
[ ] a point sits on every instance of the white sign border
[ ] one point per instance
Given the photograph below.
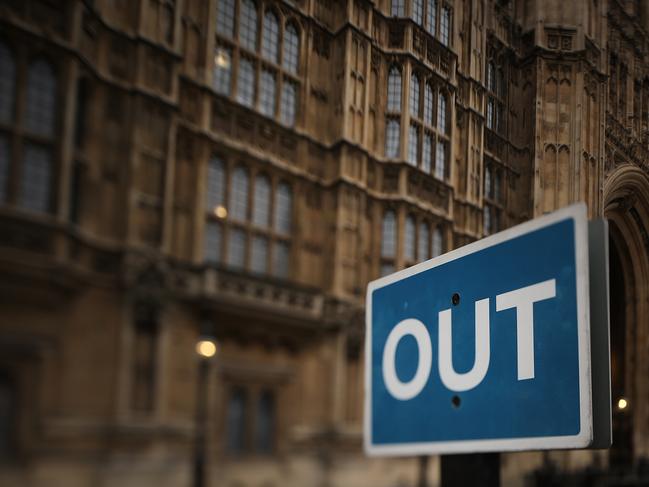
(583, 439)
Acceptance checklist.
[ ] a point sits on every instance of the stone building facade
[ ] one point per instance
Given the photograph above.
(170, 168)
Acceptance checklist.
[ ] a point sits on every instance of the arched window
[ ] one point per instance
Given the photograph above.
(239, 195)
(7, 415)
(36, 178)
(261, 208)
(215, 183)
(259, 255)
(246, 83)
(445, 26)
(283, 208)
(394, 90)
(440, 160)
(398, 8)
(428, 104)
(7, 84)
(427, 157)
(222, 70)
(288, 107)
(423, 242)
(270, 38)
(225, 18)
(392, 136)
(441, 113)
(491, 76)
(267, 93)
(409, 240)
(414, 96)
(490, 113)
(487, 182)
(486, 217)
(237, 248)
(40, 108)
(438, 242)
(389, 235)
(212, 241)
(248, 25)
(413, 144)
(291, 54)
(418, 11)
(431, 16)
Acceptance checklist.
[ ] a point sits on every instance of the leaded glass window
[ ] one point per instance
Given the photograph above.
(431, 16)
(267, 93)
(270, 37)
(438, 242)
(213, 241)
(261, 207)
(413, 144)
(428, 104)
(398, 8)
(291, 52)
(283, 208)
(418, 11)
(35, 189)
(394, 90)
(441, 113)
(239, 195)
(414, 96)
(423, 245)
(409, 240)
(40, 106)
(222, 70)
(248, 25)
(246, 82)
(389, 235)
(427, 157)
(225, 18)
(445, 26)
(259, 255)
(281, 252)
(215, 183)
(288, 108)
(237, 248)
(440, 160)
(392, 129)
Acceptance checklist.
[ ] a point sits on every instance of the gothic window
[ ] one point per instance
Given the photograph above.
(270, 39)
(487, 183)
(427, 156)
(491, 77)
(225, 18)
(36, 178)
(237, 248)
(281, 259)
(248, 25)
(249, 240)
(428, 104)
(7, 84)
(414, 96)
(445, 26)
(236, 420)
(431, 16)
(392, 135)
(144, 364)
(261, 207)
(239, 195)
(496, 90)
(440, 160)
(283, 209)
(398, 8)
(291, 52)
(486, 217)
(267, 93)
(259, 255)
(5, 157)
(222, 70)
(423, 242)
(288, 106)
(394, 90)
(438, 242)
(213, 241)
(413, 144)
(246, 83)
(389, 235)
(409, 240)
(215, 184)
(441, 113)
(418, 11)
(265, 434)
(490, 113)
(388, 242)
(40, 106)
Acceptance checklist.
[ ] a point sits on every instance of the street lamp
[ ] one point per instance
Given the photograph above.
(206, 348)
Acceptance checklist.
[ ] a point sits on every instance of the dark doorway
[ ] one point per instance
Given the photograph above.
(481, 470)
(621, 453)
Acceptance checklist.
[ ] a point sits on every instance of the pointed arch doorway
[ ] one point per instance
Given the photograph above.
(626, 205)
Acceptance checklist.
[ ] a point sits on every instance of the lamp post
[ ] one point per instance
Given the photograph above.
(205, 349)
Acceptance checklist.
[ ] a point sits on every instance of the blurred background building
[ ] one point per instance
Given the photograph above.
(238, 170)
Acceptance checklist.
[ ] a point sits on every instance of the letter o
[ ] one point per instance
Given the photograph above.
(407, 390)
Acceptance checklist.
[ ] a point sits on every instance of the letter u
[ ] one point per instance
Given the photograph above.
(468, 380)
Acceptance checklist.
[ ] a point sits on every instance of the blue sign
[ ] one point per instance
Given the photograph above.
(486, 348)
